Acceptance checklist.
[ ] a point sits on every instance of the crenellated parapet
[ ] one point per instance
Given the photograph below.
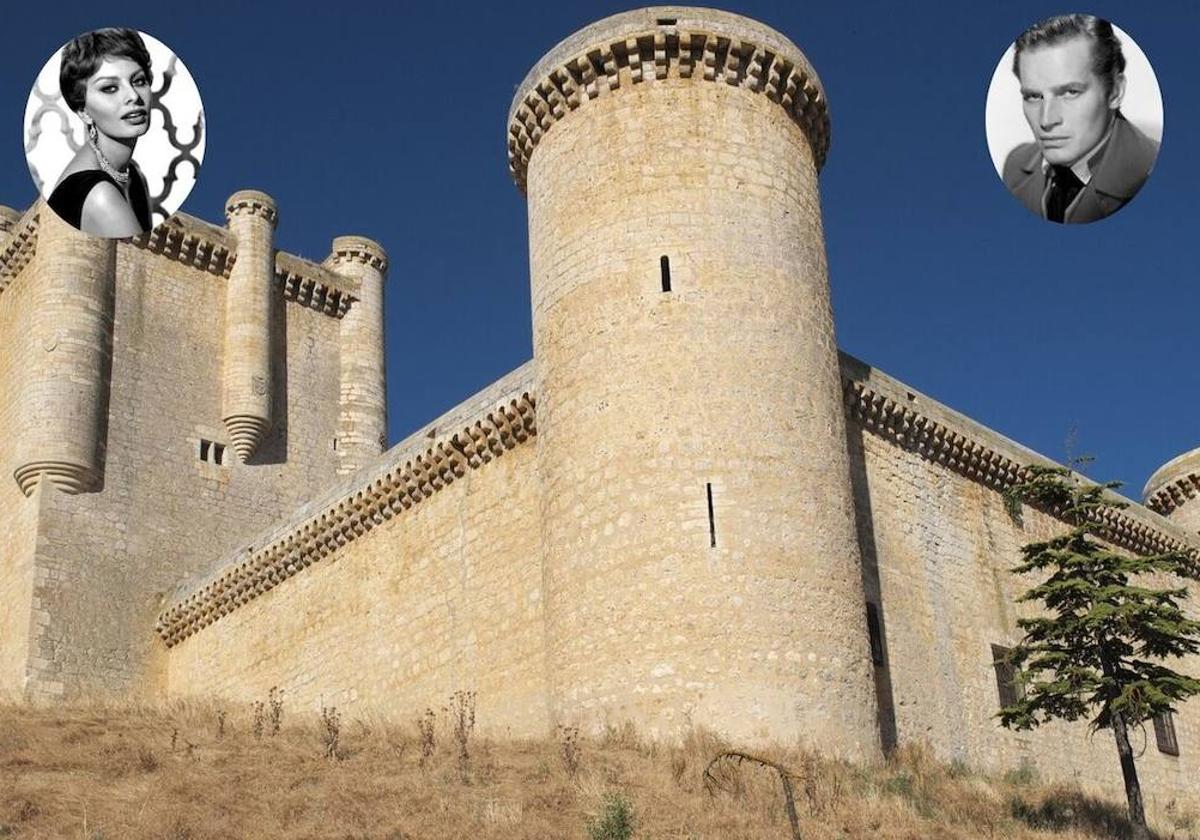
(362, 418)
(18, 243)
(358, 249)
(888, 409)
(354, 511)
(1174, 490)
(665, 42)
(252, 203)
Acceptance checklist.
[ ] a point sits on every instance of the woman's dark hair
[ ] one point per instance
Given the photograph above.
(83, 55)
(1107, 58)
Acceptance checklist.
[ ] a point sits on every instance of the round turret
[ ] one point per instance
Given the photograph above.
(701, 562)
(362, 420)
(251, 217)
(1174, 490)
(66, 390)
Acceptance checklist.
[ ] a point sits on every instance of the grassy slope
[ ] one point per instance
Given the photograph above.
(97, 772)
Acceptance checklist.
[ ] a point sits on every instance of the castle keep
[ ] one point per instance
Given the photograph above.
(687, 509)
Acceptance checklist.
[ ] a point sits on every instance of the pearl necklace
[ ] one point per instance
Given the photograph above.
(107, 168)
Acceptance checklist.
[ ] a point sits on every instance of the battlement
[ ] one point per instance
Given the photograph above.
(892, 410)
(664, 42)
(468, 436)
(252, 203)
(1174, 484)
(196, 243)
(358, 249)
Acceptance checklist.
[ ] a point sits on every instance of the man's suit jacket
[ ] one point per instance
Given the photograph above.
(1123, 167)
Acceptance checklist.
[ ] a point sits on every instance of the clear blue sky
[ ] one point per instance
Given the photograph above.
(390, 122)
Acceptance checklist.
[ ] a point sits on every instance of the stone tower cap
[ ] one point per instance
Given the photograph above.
(252, 202)
(358, 249)
(8, 217)
(787, 78)
(1176, 470)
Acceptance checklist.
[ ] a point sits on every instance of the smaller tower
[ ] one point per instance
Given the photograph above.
(362, 422)
(251, 217)
(1174, 491)
(65, 393)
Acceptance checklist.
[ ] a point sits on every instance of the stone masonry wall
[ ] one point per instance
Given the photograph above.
(444, 595)
(106, 559)
(18, 514)
(937, 549)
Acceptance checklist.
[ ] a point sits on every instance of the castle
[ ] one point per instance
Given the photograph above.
(687, 509)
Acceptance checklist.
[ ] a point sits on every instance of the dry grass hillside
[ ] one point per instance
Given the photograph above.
(205, 771)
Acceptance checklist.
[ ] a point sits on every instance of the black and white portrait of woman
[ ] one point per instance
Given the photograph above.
(114, 132)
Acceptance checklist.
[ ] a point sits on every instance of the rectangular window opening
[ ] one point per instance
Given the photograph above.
(205, 445)
(664, 264)
(712, 522)
(667, 21)
(1008, 676)
(1164, 733)
(218, 454)
(873, 629)
(335, 444)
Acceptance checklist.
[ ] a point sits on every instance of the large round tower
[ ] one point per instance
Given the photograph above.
(699, 547)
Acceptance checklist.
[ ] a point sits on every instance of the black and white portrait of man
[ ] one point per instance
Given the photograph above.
(1089, 124)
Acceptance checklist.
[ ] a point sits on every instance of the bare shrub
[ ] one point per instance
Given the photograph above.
(275, 702)
(259, 718)
(462, 714)
(568, 743)
(426, 735)
(331, 730)
(220, 724)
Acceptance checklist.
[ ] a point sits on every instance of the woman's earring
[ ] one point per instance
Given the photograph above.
(92, 134)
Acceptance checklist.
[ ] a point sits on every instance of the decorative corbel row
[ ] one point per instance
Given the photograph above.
(19, 249)
(660, 55)
(257, 571)
(1176, 494)
(906, 427)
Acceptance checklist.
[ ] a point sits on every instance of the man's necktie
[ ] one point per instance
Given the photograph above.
(1064, 186)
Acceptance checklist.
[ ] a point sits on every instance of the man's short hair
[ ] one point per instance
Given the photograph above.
(84, 54)
(1107, 59)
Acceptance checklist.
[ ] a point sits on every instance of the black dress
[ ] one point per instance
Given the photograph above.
(68, 197)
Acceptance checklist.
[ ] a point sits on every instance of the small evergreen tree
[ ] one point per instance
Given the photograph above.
(1099, 649)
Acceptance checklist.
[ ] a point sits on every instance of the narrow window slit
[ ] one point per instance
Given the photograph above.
(712, 522)
(218, 454)
(204, 446)
(876, 634)
(667, 21)
(664, 263)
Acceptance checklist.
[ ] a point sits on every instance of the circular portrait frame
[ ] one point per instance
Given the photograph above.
(1010, 135)
(168, 155)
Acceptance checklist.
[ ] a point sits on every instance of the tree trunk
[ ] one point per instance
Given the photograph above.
(1133, 790)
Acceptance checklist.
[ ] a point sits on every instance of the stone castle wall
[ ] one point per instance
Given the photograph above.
(106, 558)
(443, 594)
(446, 594)
(938, 546)
(18, 515)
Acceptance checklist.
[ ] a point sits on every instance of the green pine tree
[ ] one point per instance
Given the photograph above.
(1099, 649)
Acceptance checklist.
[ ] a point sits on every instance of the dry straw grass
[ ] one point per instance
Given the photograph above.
(193, 771)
